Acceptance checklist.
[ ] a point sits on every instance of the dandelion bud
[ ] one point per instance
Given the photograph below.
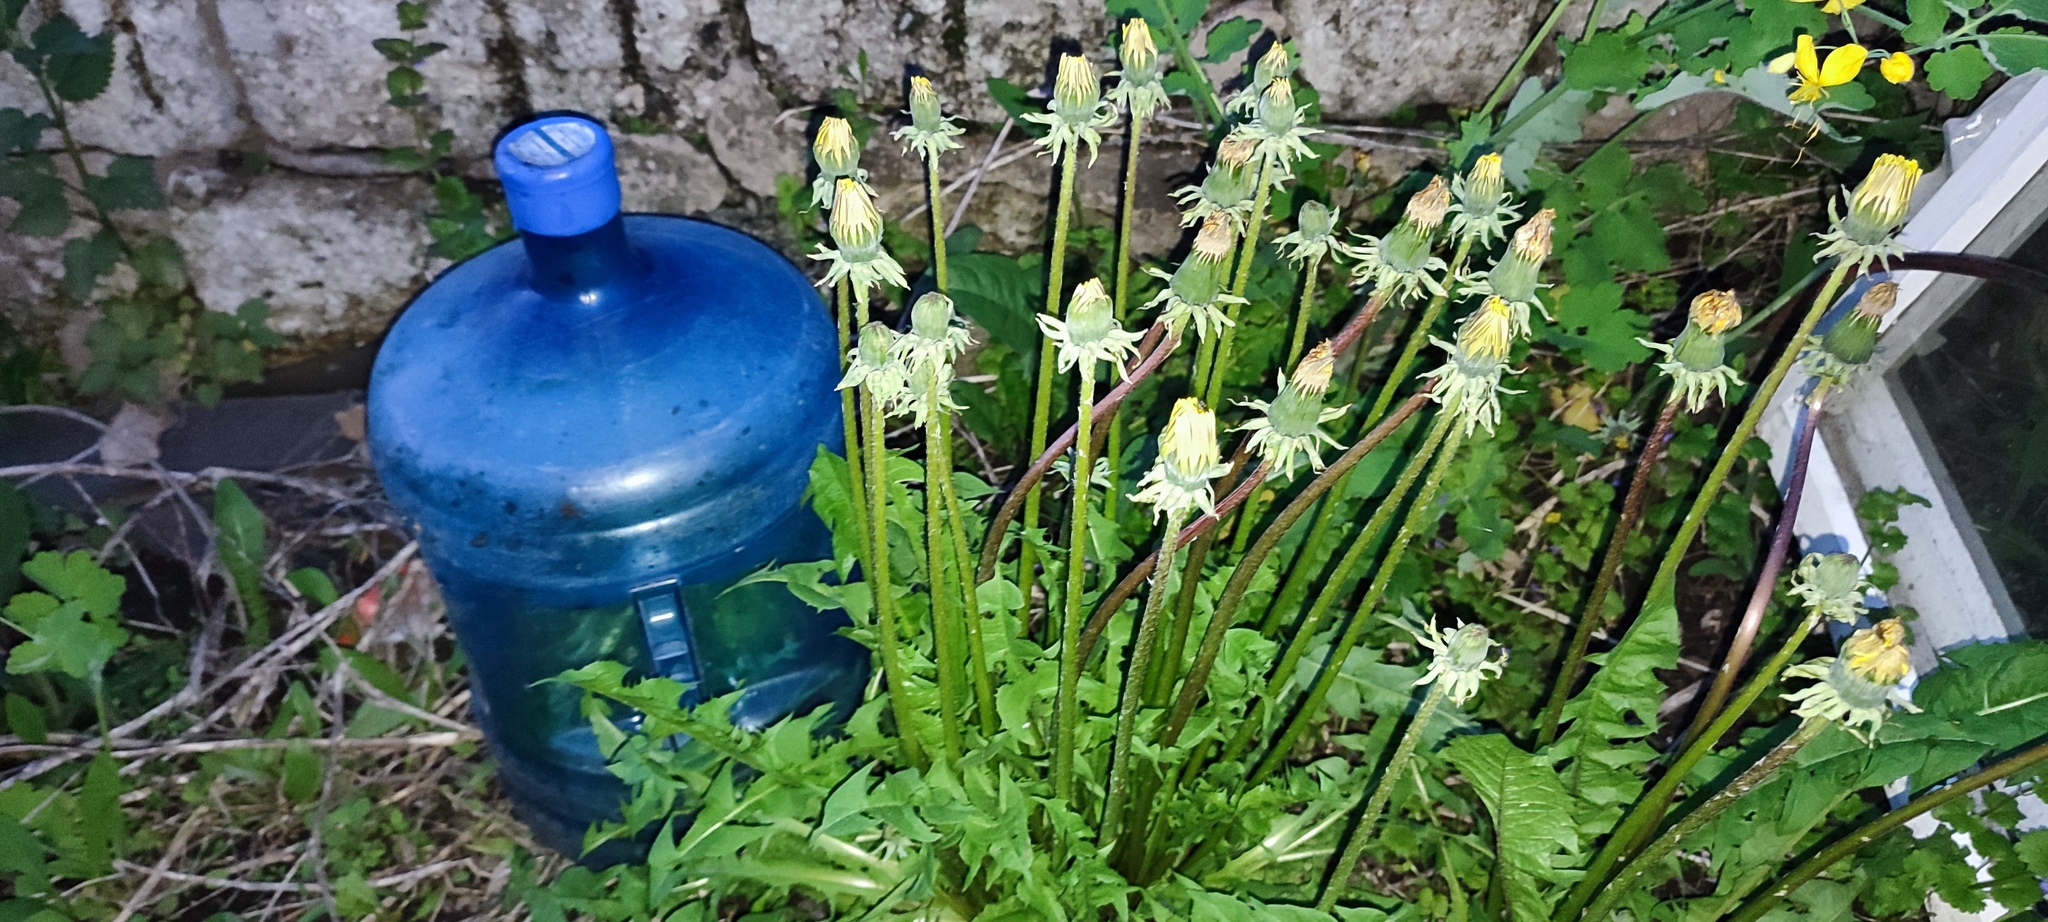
(1839, 575)
(1236, 151)
(1853, 339)
(834, 148)
(1275, 64)
(1076, 91)
(1532, 240)
(1896, 67)
(924, 105)
(1090, 312)
(1715, 312)
(1188, 446)
(875, 340)
(1138, 54)
(1316, 221)
(1426, 210)
(1216, 239)
(1468, 648)
(856, 226)
(1489, 332)
(932, 316)
(1312, 375)
(1877, 654)
(1276, 112)
(1483, 183)
(1879, 300)
(1878, 206)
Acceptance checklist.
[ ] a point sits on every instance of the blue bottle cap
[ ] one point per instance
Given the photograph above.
(559, 175)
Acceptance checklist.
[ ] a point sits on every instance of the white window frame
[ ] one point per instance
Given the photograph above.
(1871, 436)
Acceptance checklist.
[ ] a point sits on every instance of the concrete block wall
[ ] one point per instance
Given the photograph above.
(268, 116)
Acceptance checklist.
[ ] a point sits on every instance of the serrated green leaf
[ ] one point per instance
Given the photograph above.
(1606, 61)
(88, 258)
(1592, 320)
(77, 65)
(20, 131)
(129, 183)
(1000, 294)
(44, 210)
(1532, 816)
(101, 821)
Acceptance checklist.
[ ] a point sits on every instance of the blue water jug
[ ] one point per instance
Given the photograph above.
(598, 429)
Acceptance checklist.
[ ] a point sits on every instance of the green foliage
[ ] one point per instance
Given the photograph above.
(461, 222)
(1959, 72)
(155, 338)
(73, 625)
(239, 526)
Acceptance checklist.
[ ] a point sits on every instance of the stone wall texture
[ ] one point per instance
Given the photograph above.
(268, 116)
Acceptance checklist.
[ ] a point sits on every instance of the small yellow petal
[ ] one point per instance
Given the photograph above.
(1842, 65)
(1840, 6)
(1897, 68)
(1805, 59)
(1782, 64)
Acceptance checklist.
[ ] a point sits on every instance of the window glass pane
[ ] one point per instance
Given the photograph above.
(1980, 384)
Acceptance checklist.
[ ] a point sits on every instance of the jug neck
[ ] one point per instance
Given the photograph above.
(583, 267)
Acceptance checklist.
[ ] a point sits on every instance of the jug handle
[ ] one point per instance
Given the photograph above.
(667, 623)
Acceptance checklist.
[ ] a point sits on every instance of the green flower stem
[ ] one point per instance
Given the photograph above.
(1246, 250)
(1514, 74)
(1774, 896)
(1339, 877)
(1625, 882)
(1255, 556)
(878, 582)
(1643, 818)
(849, 418)
(945, 621)
(1308, 558)
(1166, 668)
(1591, 613)
(1312, 624)
(1422, 514)
(1041, 412)
(1302, 309)
(934, 202)
(1115, 453)
(1247, 521)
(1688, 528)
(1774, 562)
(1157, 13)
(1398, 374)
(970, 601)
(1134, 681)
(1067, 721)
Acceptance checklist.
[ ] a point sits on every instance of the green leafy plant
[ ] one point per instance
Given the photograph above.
(462, 223)
(154, 339)
(1277, 727)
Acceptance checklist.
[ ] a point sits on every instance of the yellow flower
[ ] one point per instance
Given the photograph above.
(1075, 85)
(855, 225)
(1816, 75)
(1489, 332)
(1883, 195)
(1138, 53)
(1834, 6)
(1878, 654)
(834, 147)
(1189, 443)
(1716, 311)
(1484, 180)
(1897, 67)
